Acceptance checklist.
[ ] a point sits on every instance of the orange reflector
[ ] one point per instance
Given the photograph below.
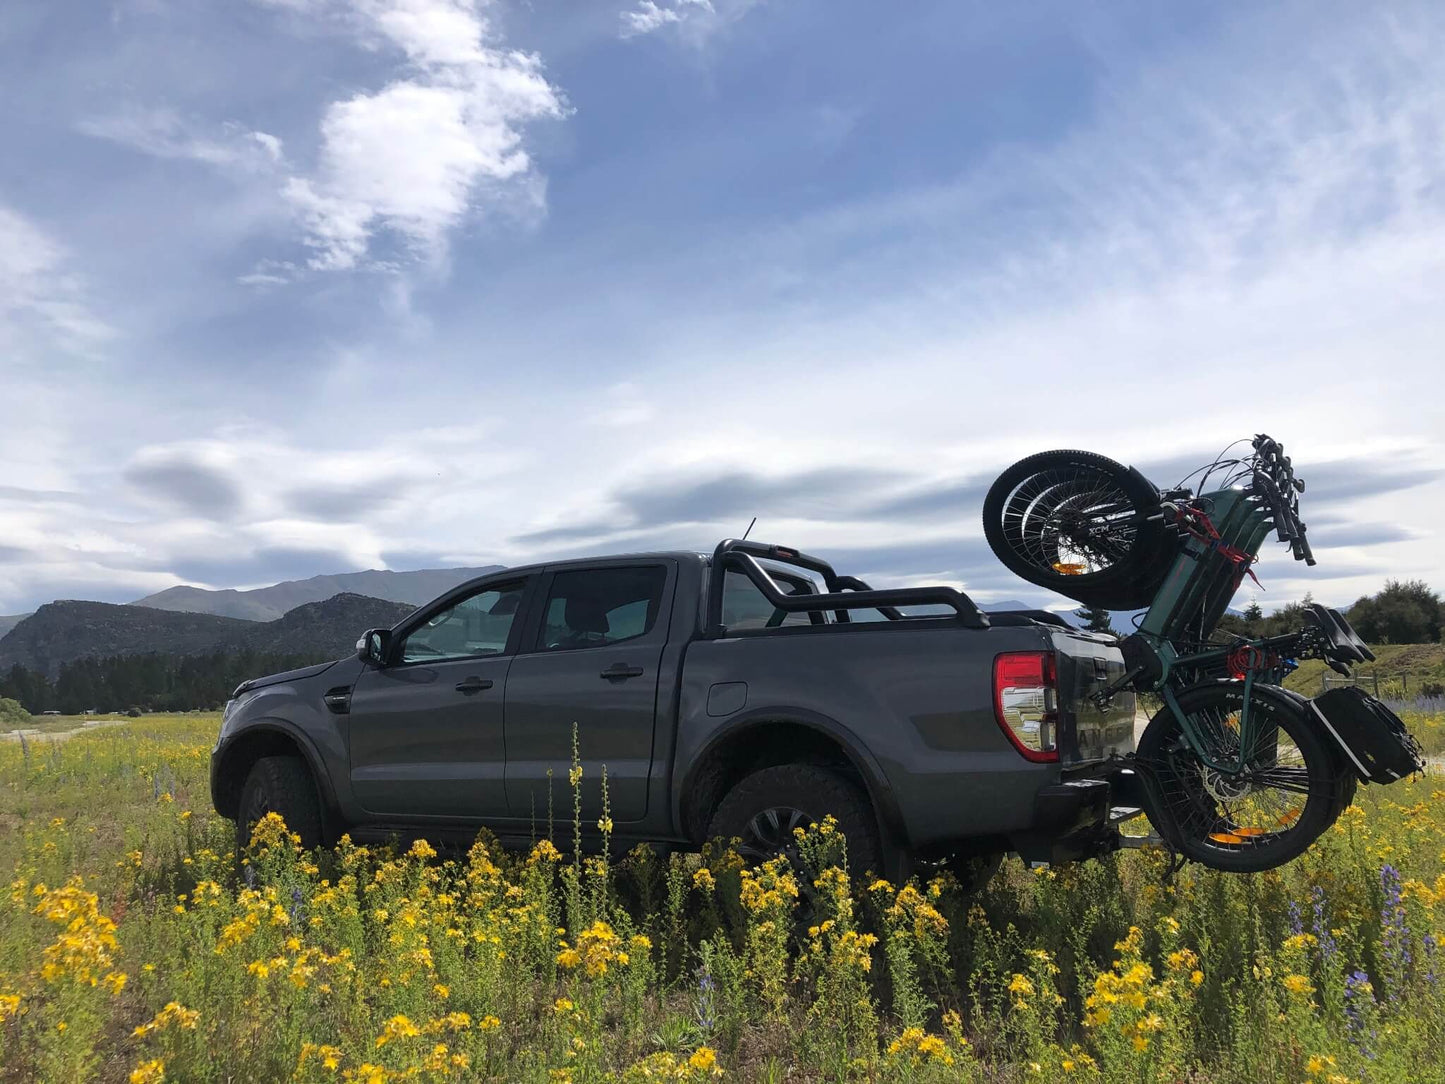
(1225, 837)
(1289, 816)
(1068, 569)
(1251, 831)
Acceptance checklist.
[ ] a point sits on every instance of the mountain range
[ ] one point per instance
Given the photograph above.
(269, 603)
(64, 631)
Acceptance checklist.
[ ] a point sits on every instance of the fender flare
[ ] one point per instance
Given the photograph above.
(875, 781)
(270, 724)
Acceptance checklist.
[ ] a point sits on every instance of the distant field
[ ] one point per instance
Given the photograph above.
(1404, 670)
(133, 948)
(50, 724)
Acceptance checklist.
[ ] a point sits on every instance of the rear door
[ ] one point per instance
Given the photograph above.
(427, 735)
(592, 662)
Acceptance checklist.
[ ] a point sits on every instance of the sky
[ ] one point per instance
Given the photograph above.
(292, 287)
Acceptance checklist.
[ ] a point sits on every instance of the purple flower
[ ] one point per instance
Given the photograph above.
(1296, 919)
(706, 1010)
(250, 876)
(1359, 999)
(1328, 946)
(1395, 933)
(297, 909)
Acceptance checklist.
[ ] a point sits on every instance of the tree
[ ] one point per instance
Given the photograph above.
(1095, 618)
(11, 713)
(1404, 612)
(1254, 613)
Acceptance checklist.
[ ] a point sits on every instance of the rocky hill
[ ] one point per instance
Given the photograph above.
(329, 628)
(61, 632)
(269, 603)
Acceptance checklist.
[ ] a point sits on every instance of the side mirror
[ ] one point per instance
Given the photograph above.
(373, 646)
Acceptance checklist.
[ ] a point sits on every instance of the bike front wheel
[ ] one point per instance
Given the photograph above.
(1290, 789)
(1080, 524)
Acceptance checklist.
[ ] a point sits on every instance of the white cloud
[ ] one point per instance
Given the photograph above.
(442, 141)
(165, 134)
(39, 293)
(693, 20)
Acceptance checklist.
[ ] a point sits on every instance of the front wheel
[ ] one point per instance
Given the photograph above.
(1079, 524)
(280, 785)
(1288, 792)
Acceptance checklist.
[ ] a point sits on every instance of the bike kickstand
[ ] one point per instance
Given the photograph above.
(1177, 861)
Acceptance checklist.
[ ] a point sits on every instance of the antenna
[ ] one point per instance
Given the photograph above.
(750, 529)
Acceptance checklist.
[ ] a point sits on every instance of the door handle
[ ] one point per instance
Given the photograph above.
(621, 670)
(474, 685)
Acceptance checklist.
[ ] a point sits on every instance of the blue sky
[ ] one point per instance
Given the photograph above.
(301, 286)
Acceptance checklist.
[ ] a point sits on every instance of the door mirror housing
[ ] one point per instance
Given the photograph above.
(373, 646)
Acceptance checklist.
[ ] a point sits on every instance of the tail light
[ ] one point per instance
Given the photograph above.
(1025, 702)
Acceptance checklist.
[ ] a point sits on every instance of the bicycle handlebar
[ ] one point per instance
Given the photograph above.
(1275, 481)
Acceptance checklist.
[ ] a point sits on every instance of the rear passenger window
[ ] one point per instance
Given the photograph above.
(745, 608)
(597, 606)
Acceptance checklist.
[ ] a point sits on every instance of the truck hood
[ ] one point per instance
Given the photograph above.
(276, 679)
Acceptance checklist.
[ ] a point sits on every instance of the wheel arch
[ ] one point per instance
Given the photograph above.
(771, 736)
(267, 738)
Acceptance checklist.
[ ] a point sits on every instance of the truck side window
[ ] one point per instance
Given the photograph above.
(478, 625)
(745, 608)
(596, 606)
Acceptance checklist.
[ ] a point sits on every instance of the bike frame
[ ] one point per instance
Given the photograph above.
(1190, 602)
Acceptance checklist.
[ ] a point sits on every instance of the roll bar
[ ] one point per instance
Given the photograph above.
(844, 592)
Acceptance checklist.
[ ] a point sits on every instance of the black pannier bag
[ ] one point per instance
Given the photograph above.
(1372, 735)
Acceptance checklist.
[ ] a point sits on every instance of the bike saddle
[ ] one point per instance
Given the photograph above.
(1349, 633)
(1341, 646)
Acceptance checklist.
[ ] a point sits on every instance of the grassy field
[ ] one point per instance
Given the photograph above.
(1404, 671)
(134, 948)
(57, 724)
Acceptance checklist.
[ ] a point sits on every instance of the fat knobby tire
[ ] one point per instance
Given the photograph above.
(815, 791)
(1330, 787)
(281, 785)
(1130, 584)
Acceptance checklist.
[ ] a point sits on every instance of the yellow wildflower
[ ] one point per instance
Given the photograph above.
(149, 1072)
(398, 1027)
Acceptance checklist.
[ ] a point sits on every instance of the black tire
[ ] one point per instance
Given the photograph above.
(1248, 822)
(281, 785)
(1077, 523)
(763, 809)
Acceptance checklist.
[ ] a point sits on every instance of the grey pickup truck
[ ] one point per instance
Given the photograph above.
(737, 694)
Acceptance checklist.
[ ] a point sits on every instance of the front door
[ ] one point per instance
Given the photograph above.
(427, 736)
(593, 665)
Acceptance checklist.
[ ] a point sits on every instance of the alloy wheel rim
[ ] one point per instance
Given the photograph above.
(769, 833)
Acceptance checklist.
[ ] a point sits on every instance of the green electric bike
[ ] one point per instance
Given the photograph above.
(1238, 772)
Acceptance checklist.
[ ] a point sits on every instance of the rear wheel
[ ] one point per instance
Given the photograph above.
(763, 810)
(1078, 523)
(1288, 792)
(281, 785)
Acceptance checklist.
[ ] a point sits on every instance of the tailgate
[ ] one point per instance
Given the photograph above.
(1087, 662)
